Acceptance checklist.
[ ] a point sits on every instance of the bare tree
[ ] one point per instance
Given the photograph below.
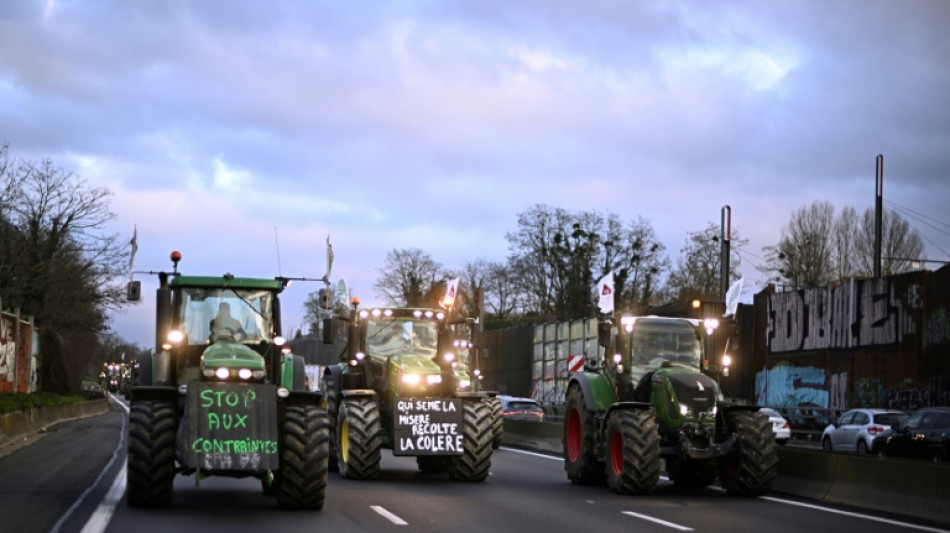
(803, 257)
(900, 244)
(56, 262)
(698, 272)
(410, 277)
(844, 256)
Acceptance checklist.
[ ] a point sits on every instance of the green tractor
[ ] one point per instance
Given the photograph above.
(222, 395)
(402, 385)
(652, 400)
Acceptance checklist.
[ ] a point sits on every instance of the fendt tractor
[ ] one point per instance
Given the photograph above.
(651, 399)
(401, 385)
(222, 395)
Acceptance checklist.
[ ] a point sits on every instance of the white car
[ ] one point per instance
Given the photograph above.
(861, 430)
(780, 426)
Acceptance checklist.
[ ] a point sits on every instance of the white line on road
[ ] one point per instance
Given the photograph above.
(389, 516)
(103, 514)
(657, 521)
(115, 454)
(525, 452)
(855, 515)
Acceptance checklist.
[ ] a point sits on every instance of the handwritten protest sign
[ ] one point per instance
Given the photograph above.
(427, 426)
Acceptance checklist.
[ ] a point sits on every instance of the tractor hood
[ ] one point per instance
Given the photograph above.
(687, 387)
(231, 355)
(412, 363)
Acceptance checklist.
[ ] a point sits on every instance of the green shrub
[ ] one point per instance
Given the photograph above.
(10, 403)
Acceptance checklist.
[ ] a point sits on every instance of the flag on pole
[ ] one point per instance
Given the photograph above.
(605, 293)
(451, 290)
(732, 297)
(135, 248)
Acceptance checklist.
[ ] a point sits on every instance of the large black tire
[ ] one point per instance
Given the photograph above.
(687, 473)
(433, 464)
(358, 438)
(151, 455)
(633, 452)
(497, 423)
(475, 461)
(304, 447)
(751, 466)
(580, 459)
(331, 404)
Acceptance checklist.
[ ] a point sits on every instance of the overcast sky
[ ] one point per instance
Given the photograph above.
(432, 125)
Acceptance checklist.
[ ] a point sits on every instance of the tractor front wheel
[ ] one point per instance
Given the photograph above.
(633, 452)
(331, 404)
(151, 457)
(304, 447)
(358, 439)
(580, 460)
(750, 468)
(475, 461)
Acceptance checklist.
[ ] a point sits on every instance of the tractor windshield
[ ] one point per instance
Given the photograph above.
(656, 340)
(239, 315)
(398, 336)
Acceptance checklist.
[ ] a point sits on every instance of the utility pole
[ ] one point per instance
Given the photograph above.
(878, 212)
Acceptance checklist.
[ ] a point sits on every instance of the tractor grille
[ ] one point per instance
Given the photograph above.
(695, 390)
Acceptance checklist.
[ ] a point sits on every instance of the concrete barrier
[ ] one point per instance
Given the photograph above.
(918, 489)
(21, 424)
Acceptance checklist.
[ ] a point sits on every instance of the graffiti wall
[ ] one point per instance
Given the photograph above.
(17, 354)
(866, 343)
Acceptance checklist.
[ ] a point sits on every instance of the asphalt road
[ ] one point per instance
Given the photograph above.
(62, 483)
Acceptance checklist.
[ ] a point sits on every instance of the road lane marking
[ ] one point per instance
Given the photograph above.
(115, 454)
(656, 520)
(855, 515)
(534, 454)
(103, 514)
(389, 516)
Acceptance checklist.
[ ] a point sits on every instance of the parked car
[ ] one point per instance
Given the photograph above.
(515, 408)
(780, 426)
(861, 430)
(925, 434)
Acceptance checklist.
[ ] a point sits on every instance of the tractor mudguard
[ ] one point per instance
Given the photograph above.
(628, 406)
(598, 392)
(471, 395)
(723, 409)
(302, 398)
(159, 394)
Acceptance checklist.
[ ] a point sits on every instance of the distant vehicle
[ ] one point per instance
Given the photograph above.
(861, 430)
(780, 426)
(925, 434)
(514, 408)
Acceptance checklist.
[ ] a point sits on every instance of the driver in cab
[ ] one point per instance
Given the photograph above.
(224, 326)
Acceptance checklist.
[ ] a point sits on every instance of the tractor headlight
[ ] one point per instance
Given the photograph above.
(411, 379)
(684, 409)
(433, 379)
(464, 383)
(244, 373)
(222, 373)
(175, 336)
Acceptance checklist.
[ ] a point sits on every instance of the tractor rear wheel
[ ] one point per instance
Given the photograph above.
(580, 460)
(304, 447)
(497, 423)
(331, 404)
(358, 439)
(633, 452)
(475, 461)
(151, 456)
(750, 468)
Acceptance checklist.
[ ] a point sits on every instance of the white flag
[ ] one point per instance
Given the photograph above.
(135, 247)
(605, 293)
(732, 297)
(451, 290)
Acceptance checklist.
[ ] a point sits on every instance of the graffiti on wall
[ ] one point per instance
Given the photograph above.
(937, 330)
(8, 351)
(791, 386)
(870, 312)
